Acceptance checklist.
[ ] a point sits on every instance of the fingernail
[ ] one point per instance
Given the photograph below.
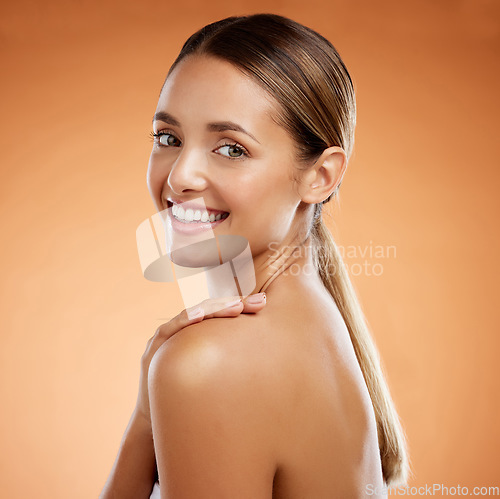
(258, 298)
(234, 303)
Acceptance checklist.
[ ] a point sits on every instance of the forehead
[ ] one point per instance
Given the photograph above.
(206, 88)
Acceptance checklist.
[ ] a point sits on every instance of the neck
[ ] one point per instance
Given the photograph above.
(292, 257)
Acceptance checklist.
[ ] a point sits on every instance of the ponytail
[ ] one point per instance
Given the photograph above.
(391, 437)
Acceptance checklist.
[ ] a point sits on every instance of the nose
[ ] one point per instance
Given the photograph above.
(188, 173)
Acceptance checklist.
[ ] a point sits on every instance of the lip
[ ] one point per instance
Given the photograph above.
(193, 227)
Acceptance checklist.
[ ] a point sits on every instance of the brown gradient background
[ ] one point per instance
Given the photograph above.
(79, 87)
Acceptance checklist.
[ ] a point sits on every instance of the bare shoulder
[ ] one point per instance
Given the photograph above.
(215, 348)
(211, 411)
(258, 358)
(215, 360)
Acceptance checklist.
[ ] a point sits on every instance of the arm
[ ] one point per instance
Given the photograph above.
(212, 414)
(134, 471)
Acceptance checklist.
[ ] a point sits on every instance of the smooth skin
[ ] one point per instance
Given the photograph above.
(265, 405)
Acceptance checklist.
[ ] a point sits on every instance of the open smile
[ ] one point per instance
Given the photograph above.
(189, 221)
(196, 216)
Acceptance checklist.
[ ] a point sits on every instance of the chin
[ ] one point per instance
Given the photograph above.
(197, 255)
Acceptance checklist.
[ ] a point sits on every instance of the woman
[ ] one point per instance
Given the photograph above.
(284, 399)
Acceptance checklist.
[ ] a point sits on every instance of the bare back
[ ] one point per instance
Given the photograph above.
(319, 437)
(328, 439)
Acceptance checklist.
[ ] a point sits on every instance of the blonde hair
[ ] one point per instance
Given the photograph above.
(303, 71)
(391, 437)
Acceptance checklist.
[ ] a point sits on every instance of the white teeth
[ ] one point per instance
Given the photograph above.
(180, 212)
(190, 215)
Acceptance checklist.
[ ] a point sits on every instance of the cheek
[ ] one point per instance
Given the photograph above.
(262, 210)
(266, 192)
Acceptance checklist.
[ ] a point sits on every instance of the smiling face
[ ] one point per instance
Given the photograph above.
(215, 139)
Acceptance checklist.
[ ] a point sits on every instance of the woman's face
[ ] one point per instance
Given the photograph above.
(215, 139)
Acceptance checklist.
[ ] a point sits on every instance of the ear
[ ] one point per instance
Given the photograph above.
(321, 179)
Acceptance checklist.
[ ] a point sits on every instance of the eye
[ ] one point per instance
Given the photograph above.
(166, 139)
(232, 151)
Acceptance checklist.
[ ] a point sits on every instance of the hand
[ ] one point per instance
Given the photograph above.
(216, 307)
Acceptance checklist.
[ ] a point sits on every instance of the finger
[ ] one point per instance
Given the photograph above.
(254, 303)
(226, 307)
(205, 310)
(211, 308)
(180, 321)
(251, 305)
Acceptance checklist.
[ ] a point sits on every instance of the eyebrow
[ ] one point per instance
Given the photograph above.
(220, 126)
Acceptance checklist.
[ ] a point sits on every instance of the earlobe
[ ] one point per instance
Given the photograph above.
(324, 177)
